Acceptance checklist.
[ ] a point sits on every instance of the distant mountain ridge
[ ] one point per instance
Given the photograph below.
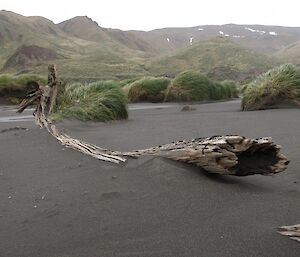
(84, 49)
(87, 29)
(263, 39)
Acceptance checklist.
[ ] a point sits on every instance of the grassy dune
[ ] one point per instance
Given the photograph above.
(279, 86)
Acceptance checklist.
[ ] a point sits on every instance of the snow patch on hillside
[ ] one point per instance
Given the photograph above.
(228, 35)
(255, 30)
(272, 33)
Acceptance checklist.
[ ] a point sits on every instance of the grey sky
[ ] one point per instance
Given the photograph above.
(151, 14)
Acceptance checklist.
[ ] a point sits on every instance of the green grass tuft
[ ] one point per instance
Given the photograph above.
(98, 101)
(193, 86)
(231, 88)
(278, 86)
(147, 89)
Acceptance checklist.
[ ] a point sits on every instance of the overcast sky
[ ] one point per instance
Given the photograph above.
(151, 14)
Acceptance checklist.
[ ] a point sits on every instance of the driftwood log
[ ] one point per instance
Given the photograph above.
(226, 155)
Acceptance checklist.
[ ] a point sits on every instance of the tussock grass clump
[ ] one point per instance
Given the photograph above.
(218, 92)
(16, 87)
(231, 88)
(193, 86)
(97, 101)
(104, 85)
(147, 89)
(277, 87)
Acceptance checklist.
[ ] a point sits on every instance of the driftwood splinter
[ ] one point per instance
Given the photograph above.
(293, 232)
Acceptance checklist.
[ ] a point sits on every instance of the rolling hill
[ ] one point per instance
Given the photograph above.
(218, 58)
(25, 54)
(78, 56)
(291, 53)
(84, 50)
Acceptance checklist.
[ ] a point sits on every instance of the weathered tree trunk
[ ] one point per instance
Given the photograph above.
(226, 155)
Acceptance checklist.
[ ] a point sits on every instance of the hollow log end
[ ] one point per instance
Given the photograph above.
(262, 157)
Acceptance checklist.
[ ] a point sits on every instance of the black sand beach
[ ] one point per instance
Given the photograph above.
(56, 202)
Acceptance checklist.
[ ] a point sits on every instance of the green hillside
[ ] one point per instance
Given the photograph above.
(83, 50)
(291, 54)
(22, 39)
(85, 28)
(218, 58)
(17, 30)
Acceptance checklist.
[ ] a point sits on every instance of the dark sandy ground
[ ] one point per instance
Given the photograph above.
(56, 202)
